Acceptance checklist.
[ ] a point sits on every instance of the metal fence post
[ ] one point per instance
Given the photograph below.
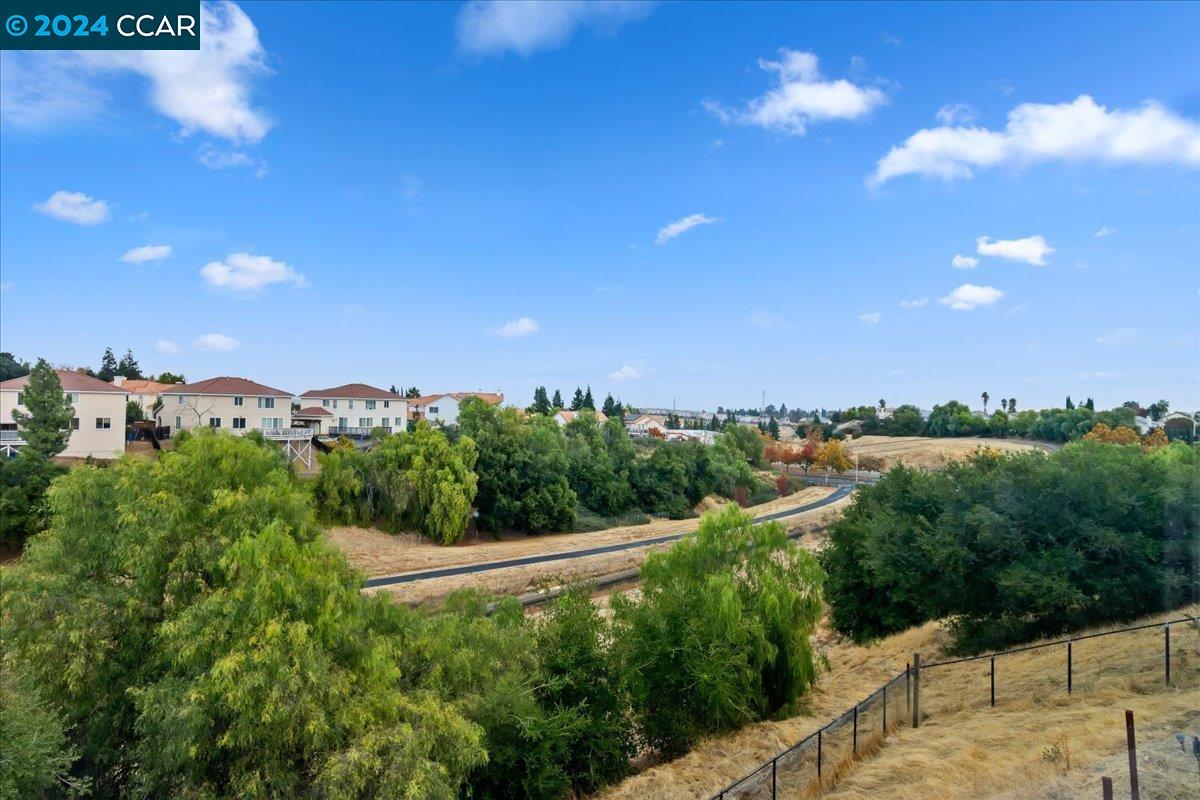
(885, 709)
(1069, 666)
(916, 699)
(1167, 653)
(1106, 789)
(854, 746)
(908, 689)
(774, 769)
(993, 681)
(1131, 743)
(819, 732)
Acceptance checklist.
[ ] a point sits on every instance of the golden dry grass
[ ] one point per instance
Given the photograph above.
(964, 749)
(927, 453)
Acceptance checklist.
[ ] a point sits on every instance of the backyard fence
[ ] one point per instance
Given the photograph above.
(1139, 659)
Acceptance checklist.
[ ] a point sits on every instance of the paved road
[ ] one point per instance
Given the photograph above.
(488, 566)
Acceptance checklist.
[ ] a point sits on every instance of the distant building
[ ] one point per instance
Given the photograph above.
(229, 403)
(443, 409)
(643, 424)
(563, 416)
(352, 408)
(97, 429)
(145, 393)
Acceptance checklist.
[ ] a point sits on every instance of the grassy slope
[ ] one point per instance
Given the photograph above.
(964, 749)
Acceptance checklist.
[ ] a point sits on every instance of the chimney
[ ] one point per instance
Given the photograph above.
(119, 380)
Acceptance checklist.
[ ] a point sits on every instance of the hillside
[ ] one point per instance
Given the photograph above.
(930, 453)
(974, 751)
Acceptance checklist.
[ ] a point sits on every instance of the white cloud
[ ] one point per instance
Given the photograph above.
(964, 262)
(625, 373)
(243, 272)
(1103, 232)
(203, 90)
(515, 328)
(216, 343)
(1080, 130)
(767, 320)
(74, 207)
(1122, 336)
(679, 226)
(1031, 249)
(147, 252)
(919, 302)
(959, 113)
(968, 297)
(167, 348)
(490, 27)
(216, 159)
(870, 318)
(1098, 376)
(801, 96)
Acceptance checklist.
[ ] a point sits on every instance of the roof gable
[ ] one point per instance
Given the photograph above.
(71, 382)
(227, 385)
(354, 391)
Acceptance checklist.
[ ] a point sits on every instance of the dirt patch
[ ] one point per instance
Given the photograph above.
(926, 453)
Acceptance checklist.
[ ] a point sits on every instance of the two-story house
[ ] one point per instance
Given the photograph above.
(352, 409)
(98, 426)
(442, 409)
(227, 403)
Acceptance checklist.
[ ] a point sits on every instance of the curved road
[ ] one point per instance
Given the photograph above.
(488, 566)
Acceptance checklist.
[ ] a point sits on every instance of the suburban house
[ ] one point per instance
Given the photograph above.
(98, 427)
(228, 403)
(443, 408)
(146, 393)
(563, 416)
(643, 424)
(355, 408)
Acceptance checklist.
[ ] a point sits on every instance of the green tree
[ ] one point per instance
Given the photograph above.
(1089, 404)
(424, 482)
(170, 377)
(412, 392)
(46, 424)
(773, 428)
(588, 401)
(35, 757)
(541, 403)
(721, 633)
(1069, 404)
(748, 442)
(133, 412)
(1158, 410)
(610, 407)
(129, 367)
(393, 389)
(12, 367)
(1012, 405)
(522, 469)
(557, 402)
(906, 420)
(599, 480)
(577, 400)
(23, 484)
(201, 639)
(108, 366)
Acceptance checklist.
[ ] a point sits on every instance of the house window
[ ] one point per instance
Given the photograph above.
(369, 404)
(178, 423)
(385, 403)
(335, 403)
(239, 423)
(366, 422)
(325, 404)
(214, 422)
(237, 401)
(433, 409)
(72, 397)
(399, 422)
(20, 398)
(349, 404)
(74, 423)
(266, 402)
(103, 423)
(271, 423)
(178, 399)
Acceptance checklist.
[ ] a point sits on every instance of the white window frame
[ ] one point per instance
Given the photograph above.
(103, 423)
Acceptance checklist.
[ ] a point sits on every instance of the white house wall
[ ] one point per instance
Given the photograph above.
(88, 440)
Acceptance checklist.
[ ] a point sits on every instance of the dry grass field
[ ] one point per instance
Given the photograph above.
(964, 749)
(926, 453)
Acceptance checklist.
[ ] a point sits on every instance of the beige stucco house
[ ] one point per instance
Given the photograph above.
(563, 416)
(227, 403)
(354, 407)
(146, 393)
(442, 409)
(97, 429)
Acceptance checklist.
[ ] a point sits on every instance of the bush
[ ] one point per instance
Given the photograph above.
(23, 484)
(1015, 547)
(720, 635)
(34, 757)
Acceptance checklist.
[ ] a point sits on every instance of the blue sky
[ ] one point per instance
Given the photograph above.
(678, 202)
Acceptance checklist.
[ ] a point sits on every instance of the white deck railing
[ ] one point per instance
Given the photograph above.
(286, 433)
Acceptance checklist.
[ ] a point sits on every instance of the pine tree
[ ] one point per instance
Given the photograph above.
(129, 367)
(610, 406)
(714, 424)
(393, 389)
(46, 425)
(577, 400)
(108, 366)
(588, 400)
(557, 400)
(1070, 405)
(773, 429)
(541, 403)
(1090, 405)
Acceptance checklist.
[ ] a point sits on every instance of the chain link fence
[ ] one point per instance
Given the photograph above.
(1143, 658)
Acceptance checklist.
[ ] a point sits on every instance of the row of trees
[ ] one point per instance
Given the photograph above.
(526, 473)
(1015, 547)
(182, 629)
(545, 405)
(110, 367)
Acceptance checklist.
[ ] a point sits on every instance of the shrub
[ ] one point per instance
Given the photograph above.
(23, 484)
(720, 635)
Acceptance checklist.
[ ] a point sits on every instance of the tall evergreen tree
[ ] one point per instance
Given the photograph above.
(714, 424)
(108, 365)
(1090, 405)
(129, 367)
(577, 400)
(12, 367)
(588, 400)
(773, 429)
(393, 389)
(46, 425)
(610, 407)
(541, 403)
(1069, 405)
(557, 401)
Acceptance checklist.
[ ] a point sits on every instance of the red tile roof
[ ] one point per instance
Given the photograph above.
(493, 398)
(312, 411)
(226, 385)
(354, 390)
(71, 382)
(146, 387)
(569, 415)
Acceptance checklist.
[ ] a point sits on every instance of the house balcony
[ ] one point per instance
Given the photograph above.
(356, 433)
(283, 434)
